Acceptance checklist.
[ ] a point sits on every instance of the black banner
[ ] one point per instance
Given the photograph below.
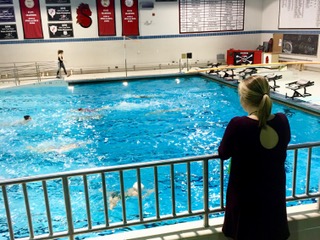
(62, 13)
(7, 14)
(60, 30)
(8, 32)
(5, 2)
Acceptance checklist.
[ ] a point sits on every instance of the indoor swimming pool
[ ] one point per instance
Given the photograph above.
(122, 122)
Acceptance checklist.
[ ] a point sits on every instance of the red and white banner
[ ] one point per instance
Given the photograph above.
(31, 19)
(106, 18)
(130, 17)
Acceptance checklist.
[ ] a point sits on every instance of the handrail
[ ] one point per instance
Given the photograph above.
(161, 172)
(303, 145)
(106, 169)
(37, 71)
(27, 71)
(129, 166)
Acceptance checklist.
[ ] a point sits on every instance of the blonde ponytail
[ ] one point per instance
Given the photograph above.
(264, 110)
(255, 91)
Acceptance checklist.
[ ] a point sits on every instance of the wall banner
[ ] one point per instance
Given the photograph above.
(84, 15)
(62, 13)
(57, 1)
(60, 30)
(7, 14)
(31, 19)
(8, 32)
(130, 17)
(106, 18)
(5, 1)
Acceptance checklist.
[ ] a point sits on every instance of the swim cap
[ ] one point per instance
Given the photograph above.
(135, 186)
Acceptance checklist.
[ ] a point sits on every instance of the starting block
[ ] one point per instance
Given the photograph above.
(273, 77)
(297, 85)
(247, 72)
(213, 65)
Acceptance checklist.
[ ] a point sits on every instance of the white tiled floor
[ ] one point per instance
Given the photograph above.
(292, 75)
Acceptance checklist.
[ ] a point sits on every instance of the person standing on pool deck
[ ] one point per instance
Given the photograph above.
(61, 64)
(257, 145)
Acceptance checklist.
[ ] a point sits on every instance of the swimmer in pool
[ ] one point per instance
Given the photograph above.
(115, 197)
(165, 111)
(86, 114)
(41, 148)
(93, 109)
(86, 110)
(25, 120)
(89, 113)
(89, 117)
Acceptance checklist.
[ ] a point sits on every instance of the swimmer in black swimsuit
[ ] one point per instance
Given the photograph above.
(115, 197)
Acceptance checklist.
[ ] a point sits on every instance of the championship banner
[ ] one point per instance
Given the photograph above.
(5, 1)
(8, 32)
(130, 17)
(59, 13)
(106, 18)
(31, 19)
(60, 30)
(7, 14)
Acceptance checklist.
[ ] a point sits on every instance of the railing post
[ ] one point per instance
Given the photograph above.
(15, 75)
(38, 72)
(319, 197)
(205, 193)
(8, 214)
(67, 202)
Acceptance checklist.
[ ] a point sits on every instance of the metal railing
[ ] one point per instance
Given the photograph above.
(188, 188)
(34, 72)
(27, 71)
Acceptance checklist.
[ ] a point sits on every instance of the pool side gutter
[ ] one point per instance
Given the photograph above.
(122, 78)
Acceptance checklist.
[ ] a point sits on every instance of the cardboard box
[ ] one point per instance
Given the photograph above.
(277, 43)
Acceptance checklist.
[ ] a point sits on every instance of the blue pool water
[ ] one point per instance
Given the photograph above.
(122, 123)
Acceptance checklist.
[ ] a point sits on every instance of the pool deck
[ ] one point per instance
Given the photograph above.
(288, 75)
